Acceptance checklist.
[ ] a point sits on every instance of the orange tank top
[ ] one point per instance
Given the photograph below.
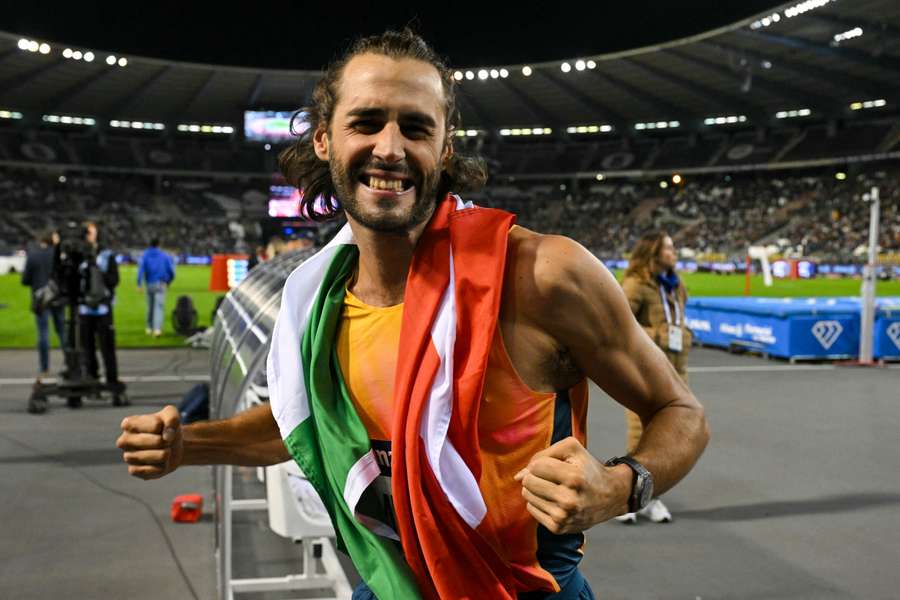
(515, 423)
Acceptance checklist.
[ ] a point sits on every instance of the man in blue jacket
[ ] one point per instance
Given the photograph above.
(157, 270)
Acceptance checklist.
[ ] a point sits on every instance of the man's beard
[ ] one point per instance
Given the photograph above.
(345, 183)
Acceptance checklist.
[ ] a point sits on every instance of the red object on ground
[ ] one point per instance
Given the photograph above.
(187, 508)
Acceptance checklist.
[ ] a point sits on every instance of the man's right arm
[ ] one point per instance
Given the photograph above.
(154, 445)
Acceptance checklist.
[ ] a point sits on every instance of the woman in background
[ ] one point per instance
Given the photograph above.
(657, 299)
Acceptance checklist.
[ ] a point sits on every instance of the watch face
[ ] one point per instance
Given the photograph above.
(646, 491)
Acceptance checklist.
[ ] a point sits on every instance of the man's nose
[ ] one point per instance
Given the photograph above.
(389, 144)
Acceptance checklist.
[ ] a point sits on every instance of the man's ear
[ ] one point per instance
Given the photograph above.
(448, 150)
(321, 143)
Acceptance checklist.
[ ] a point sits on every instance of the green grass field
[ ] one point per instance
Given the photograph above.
(18, 330)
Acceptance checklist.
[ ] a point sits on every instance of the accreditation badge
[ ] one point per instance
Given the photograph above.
(675, 338)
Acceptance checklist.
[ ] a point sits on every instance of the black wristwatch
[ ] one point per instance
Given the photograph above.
(641, 486)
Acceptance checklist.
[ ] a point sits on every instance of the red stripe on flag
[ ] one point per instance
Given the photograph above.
(479, 238)
(448, 558)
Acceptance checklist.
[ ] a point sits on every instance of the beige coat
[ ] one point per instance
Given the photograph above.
(646, 304)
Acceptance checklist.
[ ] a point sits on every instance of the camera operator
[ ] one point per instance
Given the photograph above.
(99, 278)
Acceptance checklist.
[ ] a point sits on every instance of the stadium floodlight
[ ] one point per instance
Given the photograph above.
(182, 128)
(570, 130)
(89, 57)
(726, 119)
(471, 132)
(580, 65)
(566, 67)
(663, 184)
(483, 74)
(460, 133)
(68, 120)
(458, 76)
(67, 53)
(505, 132)
(123, 62)
(600, 177)
(868, 104)
(470, 75)
(504, 73)
(77, 55)
(591, 64)
(840, 176)
(62, 178)
(110, 60)
(44, 48)
(10, 114)
(792, 114)
(674, 124)
(23, 44)
(765, 21)
(640, 126)
(765, 64)
(806, 6)
(33, 46)
(526, 71)
(846, 35)
(495, 73)
(676, 179)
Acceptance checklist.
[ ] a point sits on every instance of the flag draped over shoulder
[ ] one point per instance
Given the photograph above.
(451, 304)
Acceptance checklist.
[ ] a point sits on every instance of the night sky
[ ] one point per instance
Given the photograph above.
(304, 35)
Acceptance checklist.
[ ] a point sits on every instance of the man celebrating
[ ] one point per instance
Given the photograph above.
(437, 344)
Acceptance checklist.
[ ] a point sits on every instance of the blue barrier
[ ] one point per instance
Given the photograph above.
(797, 328)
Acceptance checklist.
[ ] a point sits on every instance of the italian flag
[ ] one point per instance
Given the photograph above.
(451, 304)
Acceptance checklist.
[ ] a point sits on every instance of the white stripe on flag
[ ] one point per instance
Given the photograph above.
(449, 468)
(284, 368)
(360, 477)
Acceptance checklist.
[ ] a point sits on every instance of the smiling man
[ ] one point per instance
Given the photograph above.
(428, 369)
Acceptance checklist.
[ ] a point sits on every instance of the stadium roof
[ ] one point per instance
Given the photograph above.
(749, 72)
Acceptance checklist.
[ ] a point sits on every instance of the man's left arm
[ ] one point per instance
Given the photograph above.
(582, 307)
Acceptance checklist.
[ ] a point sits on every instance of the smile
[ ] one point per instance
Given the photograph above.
(398, 185)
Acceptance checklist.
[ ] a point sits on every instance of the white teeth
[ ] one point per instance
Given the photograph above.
(377, 183)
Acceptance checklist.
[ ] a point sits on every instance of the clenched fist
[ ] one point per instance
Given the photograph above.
(568, 491)
(152, 444)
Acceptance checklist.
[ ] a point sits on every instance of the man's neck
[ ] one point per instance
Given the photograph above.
(384, 260)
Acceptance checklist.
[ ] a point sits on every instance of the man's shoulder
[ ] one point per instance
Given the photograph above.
(545, 268)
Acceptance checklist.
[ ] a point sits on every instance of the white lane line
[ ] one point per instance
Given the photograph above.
(126, 379)
(773, 368)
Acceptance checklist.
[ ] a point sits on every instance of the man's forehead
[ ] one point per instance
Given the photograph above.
(403, 84)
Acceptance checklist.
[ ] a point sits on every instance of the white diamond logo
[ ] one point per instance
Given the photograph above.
(827, 332)
(893, 333)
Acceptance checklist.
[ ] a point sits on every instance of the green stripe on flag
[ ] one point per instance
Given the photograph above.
(328, 443)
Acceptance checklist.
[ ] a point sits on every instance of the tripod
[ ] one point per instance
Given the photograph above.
(74, 383)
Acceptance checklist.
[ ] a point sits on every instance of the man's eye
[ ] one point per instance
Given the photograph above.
(366, 126)
(415, 131)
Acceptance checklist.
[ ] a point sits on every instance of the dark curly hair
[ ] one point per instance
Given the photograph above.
(303, 169)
